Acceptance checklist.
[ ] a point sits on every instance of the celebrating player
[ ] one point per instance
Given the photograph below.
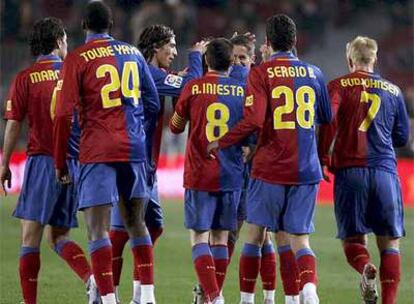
(284, 99)
(212, 104)
(42, 201)
(371, 120)
(109, 82)
(157, 44)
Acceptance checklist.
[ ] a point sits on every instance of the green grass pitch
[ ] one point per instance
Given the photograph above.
(173, 267)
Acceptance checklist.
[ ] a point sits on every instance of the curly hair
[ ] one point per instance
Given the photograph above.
(281, 32)
(154, 36)
(45, 35)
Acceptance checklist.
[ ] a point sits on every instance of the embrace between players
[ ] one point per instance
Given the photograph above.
(251, 156)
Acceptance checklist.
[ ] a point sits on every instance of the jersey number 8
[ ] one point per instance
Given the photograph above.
(218, 116)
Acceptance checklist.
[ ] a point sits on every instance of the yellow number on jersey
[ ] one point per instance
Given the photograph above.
(214, 123)
(372, 111)
(57, 88)
(305, 99)
(129, 72)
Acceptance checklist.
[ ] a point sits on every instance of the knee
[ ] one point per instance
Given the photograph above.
(255, 235)
(356, 239)
(219, 237)
(282, 238)
(56, 235)
(299, 242)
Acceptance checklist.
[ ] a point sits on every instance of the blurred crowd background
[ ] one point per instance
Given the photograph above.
(324, 27)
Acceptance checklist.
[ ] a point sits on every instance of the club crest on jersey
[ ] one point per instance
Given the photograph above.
(249, 101)
(8, 105)
(173, 81)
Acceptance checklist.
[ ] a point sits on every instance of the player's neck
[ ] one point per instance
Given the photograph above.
(55, 52)
(364, 68)
(154, 62)
(221, 73)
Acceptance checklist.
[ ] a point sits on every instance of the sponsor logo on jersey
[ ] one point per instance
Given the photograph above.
(8, 105)
(173, 81)
(249, 101)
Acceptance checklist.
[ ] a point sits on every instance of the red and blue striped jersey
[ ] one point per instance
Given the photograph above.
(30, 96)
(213, 104)
(371, 119)
(109, 84)
(285, 99)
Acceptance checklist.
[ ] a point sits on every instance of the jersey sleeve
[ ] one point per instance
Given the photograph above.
(181, 111)
(239, 73)
(324, 111)
(16, 104)
(254, 111)
(400, 131)
(67, 98)
(150, 96)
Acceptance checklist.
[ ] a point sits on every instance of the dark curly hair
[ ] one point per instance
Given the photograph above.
(45, 35)
(154, 36)
(281, 32)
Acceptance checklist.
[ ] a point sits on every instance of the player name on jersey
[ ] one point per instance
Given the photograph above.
(290, 71)
(370, 83)
(217, 89)
(45, 75)
(109, 51)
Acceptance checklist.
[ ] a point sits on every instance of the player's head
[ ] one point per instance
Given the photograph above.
(361, 53)
(281, 33)
(157, 44)
(219, 54)
(48, 35)
(243, 50)
(97, 17)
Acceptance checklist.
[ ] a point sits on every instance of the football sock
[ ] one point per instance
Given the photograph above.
(357, 255)
(155, 233)
(205, 269)
(306, 261)
(288, 270)
(268, 267)
(269, 295)
(101, 257)
(249, 267)
(390, 273)
(230, 246)
(75, 257)
(221, 261)
(109, 299)
(29, 266)
(118, 239)
(136, 291)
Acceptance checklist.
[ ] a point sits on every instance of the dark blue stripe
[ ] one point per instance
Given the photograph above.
(268, 248)
(140, 241)
(98, 244)
(282, 249)
(251, 250)
(26, 250)
(200, 250)
(59, 245)
(391, 251)
(304, 251)
(220, 252)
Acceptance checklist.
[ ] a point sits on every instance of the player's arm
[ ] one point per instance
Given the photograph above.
(400, 131)
(324, 110)
(16, 109)
(181, 112)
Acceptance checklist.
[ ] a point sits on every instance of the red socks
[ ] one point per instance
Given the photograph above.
(29, 267)
(155, 233)
(118, 239)
(289, 271)
(305, 258)
(357, 255)
(101, 256)
(221, 261)
(75, 257)
(143, 260)
(249, 267)
(205, 269)
(268, 267)
(390, 273)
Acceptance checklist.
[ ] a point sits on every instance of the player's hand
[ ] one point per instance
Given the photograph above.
(247, 153)
(63, 177)
(325, 174)
(5, 176)
(264, 49)
(183, 72)
(212, 149)
(200, 46)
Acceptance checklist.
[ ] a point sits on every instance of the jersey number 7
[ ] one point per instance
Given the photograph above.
(372, 111)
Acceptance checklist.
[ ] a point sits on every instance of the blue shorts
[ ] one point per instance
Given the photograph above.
(103, 183)
(241, 210)
(368, 200)
(154, 217)
(42, 199)
(282, 207)
(211, 210)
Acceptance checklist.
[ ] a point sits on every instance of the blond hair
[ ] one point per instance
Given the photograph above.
(362, 50)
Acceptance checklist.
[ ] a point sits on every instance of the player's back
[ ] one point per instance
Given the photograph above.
(295, 99)
(370, 120)
(115, 89)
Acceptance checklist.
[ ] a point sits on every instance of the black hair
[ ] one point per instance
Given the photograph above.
(153, 37)
(45, 35)
(97, 17)
(243, 40)
(219, 54)
(281, 32)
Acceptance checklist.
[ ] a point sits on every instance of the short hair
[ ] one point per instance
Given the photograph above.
(219, 54)
(97, 17)
(154, 36)
(45, 35)
(281, 32)
(362, 50)
(243, 40)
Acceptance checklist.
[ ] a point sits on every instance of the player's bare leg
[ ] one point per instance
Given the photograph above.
(390, 268)
(97, 222)
(268, 270)
(219, 250)
(232, 239)
(306, 262)
(288, 268)
(58, 239)
(133, 213)
(29, 264)
(204, 265)
(250, 262)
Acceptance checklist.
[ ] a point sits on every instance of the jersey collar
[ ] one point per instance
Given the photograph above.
(99, 37)
(48, 58)
(217, 74)
(283, 55)
(366, 73)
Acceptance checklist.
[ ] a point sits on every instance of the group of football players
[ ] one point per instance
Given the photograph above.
(95, 122)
